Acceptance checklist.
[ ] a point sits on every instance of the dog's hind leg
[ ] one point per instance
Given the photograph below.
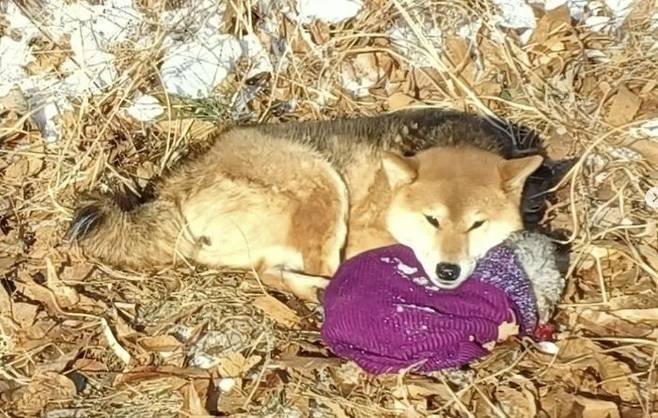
(305, 286)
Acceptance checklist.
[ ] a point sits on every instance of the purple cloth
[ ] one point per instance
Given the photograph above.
(383, 312)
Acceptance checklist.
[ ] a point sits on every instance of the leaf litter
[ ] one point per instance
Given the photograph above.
(80, 339)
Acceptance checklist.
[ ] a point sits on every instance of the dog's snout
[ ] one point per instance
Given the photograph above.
(447, 271)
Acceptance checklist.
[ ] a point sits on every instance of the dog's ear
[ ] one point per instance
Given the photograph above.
(399, 170)
(515, 172)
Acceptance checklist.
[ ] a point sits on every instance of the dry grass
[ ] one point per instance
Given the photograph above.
(84, 340)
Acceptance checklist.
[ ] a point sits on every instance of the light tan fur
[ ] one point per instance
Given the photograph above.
(261, 198)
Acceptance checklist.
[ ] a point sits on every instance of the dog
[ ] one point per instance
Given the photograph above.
(292, 200)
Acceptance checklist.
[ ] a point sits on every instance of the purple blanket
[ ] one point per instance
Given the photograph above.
(382, 312)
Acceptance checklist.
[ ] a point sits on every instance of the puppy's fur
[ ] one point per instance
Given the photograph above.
(294, 199)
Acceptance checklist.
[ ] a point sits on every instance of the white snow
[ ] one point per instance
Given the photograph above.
(648, 129)
(576, 7)
(620, 10)
(194, 68)
(404, 39)
(330, 11)
(598, 23)
(14, 55)
(92, 29)
(257, 55)
(515, 14)
(145, 108)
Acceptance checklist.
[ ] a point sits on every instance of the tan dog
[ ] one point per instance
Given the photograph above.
(292, 200)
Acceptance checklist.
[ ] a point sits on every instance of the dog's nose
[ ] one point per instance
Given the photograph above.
(447, 271)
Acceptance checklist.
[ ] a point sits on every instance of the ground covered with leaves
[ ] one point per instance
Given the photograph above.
(83, 340)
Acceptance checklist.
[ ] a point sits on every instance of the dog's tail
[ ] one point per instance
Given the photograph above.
(143, 236)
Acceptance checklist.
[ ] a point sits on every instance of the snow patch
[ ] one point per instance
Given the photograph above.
(576, 7)
(404, 39)
(648, 129)
(193, 69)
(515, 14)
(334, 11)
(145, 108)
(92, 30)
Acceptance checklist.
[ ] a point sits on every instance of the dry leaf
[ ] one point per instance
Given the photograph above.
(15, 101)
(648, 149)
(551, 24)
(399, 101)
(516, 403)
(5, 302)
(160, 343)
(89, 365)
(66, 295)
(193, 406)
(597, 408)
(178, 375)
(625, 105)
(611, 324)
(277, 311)
(24, 314)
(187, 127)
(294, 361)
(236, 365)
(560, 404)
(43, 388)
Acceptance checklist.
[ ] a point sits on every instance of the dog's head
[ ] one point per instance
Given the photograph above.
(451, 205)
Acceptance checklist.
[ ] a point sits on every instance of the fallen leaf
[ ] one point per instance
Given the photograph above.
(160, 343)
(648, 149)
(180, 375)
(399, 101)
(597, 408)
(24, 314)
(66, 295)
(236, 365)
(193, 407)
(42, 389)
(89, 365)
(623, 108)
(277, 311)
(5, 302)
(294, 361)
(611, 324)
(516, 402)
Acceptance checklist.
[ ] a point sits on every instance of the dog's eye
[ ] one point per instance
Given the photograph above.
(432, 220)
(476, 225)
